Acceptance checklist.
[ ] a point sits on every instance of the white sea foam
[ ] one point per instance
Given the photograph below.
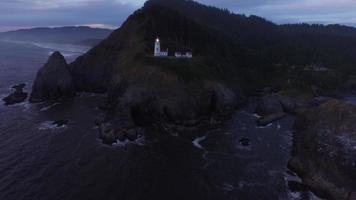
(67, 50)
(141, 141)
(227, 187)
(279, 126)
(257, 116)
(243, 184)
(48, 125)
(26, 105)
(77, 49)
(197, 142)
(264, 127)
(49, 107)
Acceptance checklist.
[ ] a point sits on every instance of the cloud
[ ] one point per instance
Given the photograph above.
(292, 11)
(64, 12)
(240, 4)
(26, 13)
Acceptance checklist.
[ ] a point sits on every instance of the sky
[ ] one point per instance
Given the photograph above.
(15, 14)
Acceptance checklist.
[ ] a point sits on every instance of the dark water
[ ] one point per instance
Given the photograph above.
(39, 161)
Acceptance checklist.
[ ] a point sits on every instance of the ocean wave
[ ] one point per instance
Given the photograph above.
(50, 125)
(264, 127)
(68, 50)
(197, 142)
(141, 141)
(49, 107)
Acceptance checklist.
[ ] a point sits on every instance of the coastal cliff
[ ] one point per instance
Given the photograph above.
(324, 149)
(226, 67)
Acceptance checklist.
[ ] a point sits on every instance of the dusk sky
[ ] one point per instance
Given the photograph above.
(16, 14)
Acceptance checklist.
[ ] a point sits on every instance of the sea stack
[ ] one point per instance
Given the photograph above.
(53, 80)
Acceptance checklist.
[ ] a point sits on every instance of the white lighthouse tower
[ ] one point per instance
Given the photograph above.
(157, 50)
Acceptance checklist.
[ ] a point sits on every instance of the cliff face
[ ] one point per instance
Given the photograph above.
(96, 70)
(323, 151)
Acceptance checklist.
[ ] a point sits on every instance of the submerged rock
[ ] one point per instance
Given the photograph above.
(245, 142)
(53, 80)
(131, 135)
(17, 96)
(107, 134)
(267, 119)
(111, 133)
(324, 152)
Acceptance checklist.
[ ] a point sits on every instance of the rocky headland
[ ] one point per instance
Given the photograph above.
(249, 56)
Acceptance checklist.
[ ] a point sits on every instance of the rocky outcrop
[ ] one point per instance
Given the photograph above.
(272, 107)
(17, 96)
(268, 119)
(294, 102)
(110, 134)
(53, 80)
(269, 104)
(146, 101)
(289, 101)
(324, 152)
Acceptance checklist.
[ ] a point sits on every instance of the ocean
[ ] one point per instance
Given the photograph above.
(39, 161)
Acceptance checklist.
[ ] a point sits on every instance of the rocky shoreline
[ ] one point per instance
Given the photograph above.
(321, 127)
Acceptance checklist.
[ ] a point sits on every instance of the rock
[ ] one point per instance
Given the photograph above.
(156, 104)
(121, 136)
(60, 123)
(267, 119)
(225, 99)
(131, 135)
(107, 134)
(289, 101)
(296, 104)
(321, 100)
(324, 152)
(295, 186)
(17, 96)
(269, 104)
(19, 87)
(53, 80)
(245, 141)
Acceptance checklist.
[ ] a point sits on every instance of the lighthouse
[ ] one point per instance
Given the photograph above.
(157, 50)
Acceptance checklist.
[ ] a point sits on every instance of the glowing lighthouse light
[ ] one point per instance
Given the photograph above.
(157, 50)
